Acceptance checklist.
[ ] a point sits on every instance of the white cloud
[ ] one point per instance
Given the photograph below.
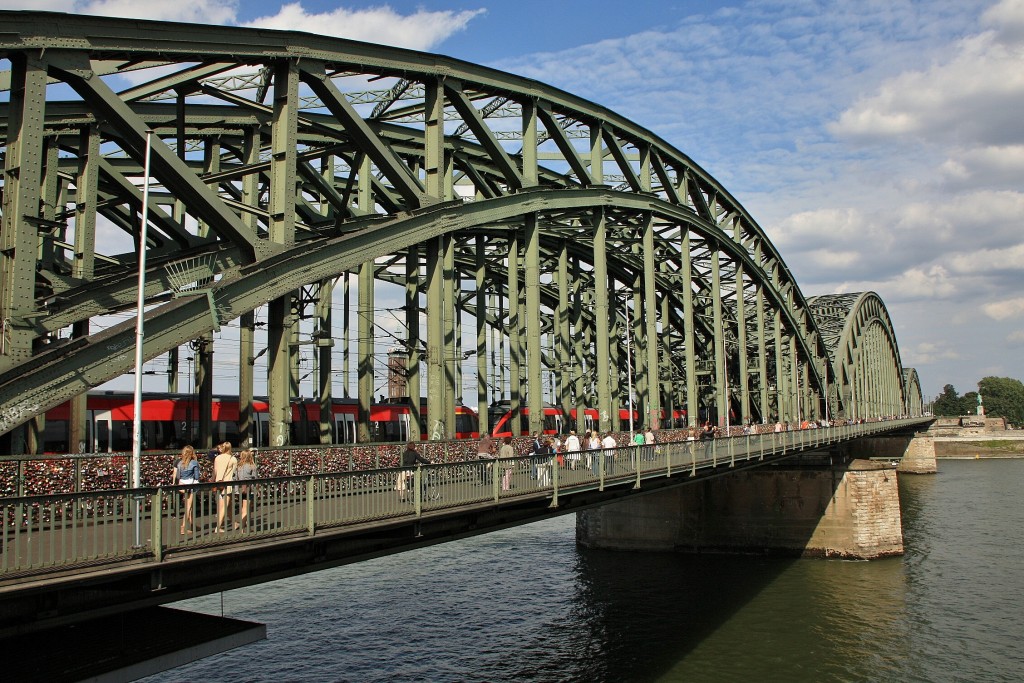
(1007, 308)
(927, 353)
(974, 98)
(421, 30)
(1015, 338)
(195, 11)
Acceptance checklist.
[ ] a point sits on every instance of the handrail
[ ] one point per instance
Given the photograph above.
(40, 534)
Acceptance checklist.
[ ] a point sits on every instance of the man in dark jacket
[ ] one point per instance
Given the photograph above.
(411, 456)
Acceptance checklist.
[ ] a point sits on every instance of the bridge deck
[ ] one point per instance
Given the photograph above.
(128, 546)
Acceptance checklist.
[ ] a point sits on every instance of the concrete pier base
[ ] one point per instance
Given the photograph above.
(915, 454)
(125, 647)
(848, 512)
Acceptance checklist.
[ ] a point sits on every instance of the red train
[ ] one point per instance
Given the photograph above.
(172, 420)
(555, 422)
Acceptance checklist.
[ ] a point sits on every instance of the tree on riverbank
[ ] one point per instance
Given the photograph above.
(1004, 397)
(951, 404)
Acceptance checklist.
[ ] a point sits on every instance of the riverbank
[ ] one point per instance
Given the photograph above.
(959, 448)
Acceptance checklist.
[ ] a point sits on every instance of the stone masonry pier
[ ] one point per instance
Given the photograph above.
(848, 511)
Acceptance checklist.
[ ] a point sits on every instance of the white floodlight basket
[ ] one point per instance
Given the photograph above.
(193, 276)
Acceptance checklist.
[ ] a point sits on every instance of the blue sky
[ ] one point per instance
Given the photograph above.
(879, 143)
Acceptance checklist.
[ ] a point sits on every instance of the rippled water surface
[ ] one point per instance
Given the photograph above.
(527, 605)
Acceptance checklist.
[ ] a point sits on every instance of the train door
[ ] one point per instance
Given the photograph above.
(261, 429)
(100, 429)
(344, 428)
(404, 422)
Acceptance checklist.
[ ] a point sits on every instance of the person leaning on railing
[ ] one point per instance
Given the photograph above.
(245, 471)
(186, 471)
(410, 458)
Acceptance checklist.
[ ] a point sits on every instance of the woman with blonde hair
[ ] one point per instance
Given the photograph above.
(186, 471)
(246, 471)
(224, 466)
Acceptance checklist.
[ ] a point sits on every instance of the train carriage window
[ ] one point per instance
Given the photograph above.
(55, 436)
(225, 431)
(385, 430)
(345, 428)
(121, 435)
(551, 423)
(465, 425)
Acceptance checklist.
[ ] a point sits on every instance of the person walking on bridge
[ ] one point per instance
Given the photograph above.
(507, 453)
(572, 450)
(608, 443)
(485, 453)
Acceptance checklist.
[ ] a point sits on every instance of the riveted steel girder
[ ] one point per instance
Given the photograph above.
(330, 178)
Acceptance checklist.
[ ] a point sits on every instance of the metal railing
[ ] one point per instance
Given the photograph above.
(46, 533)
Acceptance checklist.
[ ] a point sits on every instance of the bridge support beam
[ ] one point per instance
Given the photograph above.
(915, 453)
(850, 511)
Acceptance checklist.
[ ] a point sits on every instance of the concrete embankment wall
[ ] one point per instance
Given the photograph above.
(850, 512)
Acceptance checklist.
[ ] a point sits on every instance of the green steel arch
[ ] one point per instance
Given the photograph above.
(572, 240)
(862, 348)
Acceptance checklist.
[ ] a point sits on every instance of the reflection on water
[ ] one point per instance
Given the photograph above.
(527, 605)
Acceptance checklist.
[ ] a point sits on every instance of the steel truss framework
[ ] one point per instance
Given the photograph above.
(575, 242)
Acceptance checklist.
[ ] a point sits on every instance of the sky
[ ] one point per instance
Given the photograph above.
(879, 143)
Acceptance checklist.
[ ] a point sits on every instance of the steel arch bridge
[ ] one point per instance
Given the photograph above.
(561, 239)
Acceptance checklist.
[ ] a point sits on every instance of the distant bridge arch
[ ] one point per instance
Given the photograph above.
(571, 240)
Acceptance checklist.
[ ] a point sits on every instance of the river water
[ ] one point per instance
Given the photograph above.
(527, 605)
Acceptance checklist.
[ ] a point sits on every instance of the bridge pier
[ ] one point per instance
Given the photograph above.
(850, 511)
(915, 452)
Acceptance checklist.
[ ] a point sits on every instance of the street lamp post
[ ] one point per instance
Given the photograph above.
(139, 338)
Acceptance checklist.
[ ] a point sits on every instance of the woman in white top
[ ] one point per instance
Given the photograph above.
(224, 466)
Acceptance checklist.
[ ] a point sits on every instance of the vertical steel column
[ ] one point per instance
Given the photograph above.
(534, 351)
(324, 344)
(365, 350)
(721, 379)
(436, 400)
(689, 335)
(281, 228)
(579, 376)
(246, 363)
(638, 351)
(434, 168)
(667, 367)
(482, 380)
(412, 323)
(19, 235)
(365, 314)
(794, 375)
(247, 322)
(602, 331)
(204, 354)
(346, 335)
(650, 305)
(514, 335)
(450, 356)
(603, 313)
(762, 354)
(83, 260)
(780, 371)
(531, 263)
(741, 333)
(565, 366)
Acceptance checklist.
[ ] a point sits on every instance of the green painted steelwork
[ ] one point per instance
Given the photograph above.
(489, 177)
